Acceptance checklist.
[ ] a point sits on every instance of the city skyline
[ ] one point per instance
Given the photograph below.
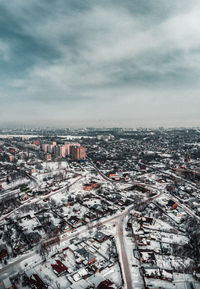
(91, 63)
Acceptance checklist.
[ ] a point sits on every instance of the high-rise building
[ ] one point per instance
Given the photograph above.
(45, 147)
(68, 147)
(36, 142)
(57, 151)
(48, 157)
(11, 158)
(63, 151)
(78, 153)
(50, 148)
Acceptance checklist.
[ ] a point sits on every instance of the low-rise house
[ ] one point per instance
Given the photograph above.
(87, 187)
(3, 252)
(106, 284)
(83, 273)
(142, 241)
(90, 186)
(196, 275)
(94, 184)
(147, 257)
(36, 282)
(152, 273)
(100, 237)
(33, 237)
(73, 220)
(6, 284)
(89, 257)
(172, 204)
(59, 268)
(167, 276)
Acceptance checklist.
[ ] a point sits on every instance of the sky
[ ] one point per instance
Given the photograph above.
(100, 63)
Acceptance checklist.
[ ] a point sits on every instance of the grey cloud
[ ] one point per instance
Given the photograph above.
(94, 59)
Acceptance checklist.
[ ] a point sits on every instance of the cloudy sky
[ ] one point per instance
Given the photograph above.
(100, 63)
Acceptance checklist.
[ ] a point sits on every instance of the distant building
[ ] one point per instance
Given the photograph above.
(48, 157)
(78, 153)
(45, 147)
(187, 157)
(57, 151)
(12, 158)
(63, 151)
(105, 137)
(36, 142)
(68, 147)
(50, 148)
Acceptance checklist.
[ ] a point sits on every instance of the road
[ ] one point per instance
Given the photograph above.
(100, 173)
(122, 253)
(8, 268)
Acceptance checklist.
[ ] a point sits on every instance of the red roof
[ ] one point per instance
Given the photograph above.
(59, 267)
(105, 285)
(35, 280)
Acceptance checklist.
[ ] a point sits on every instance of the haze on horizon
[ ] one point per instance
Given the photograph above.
(100, 63)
